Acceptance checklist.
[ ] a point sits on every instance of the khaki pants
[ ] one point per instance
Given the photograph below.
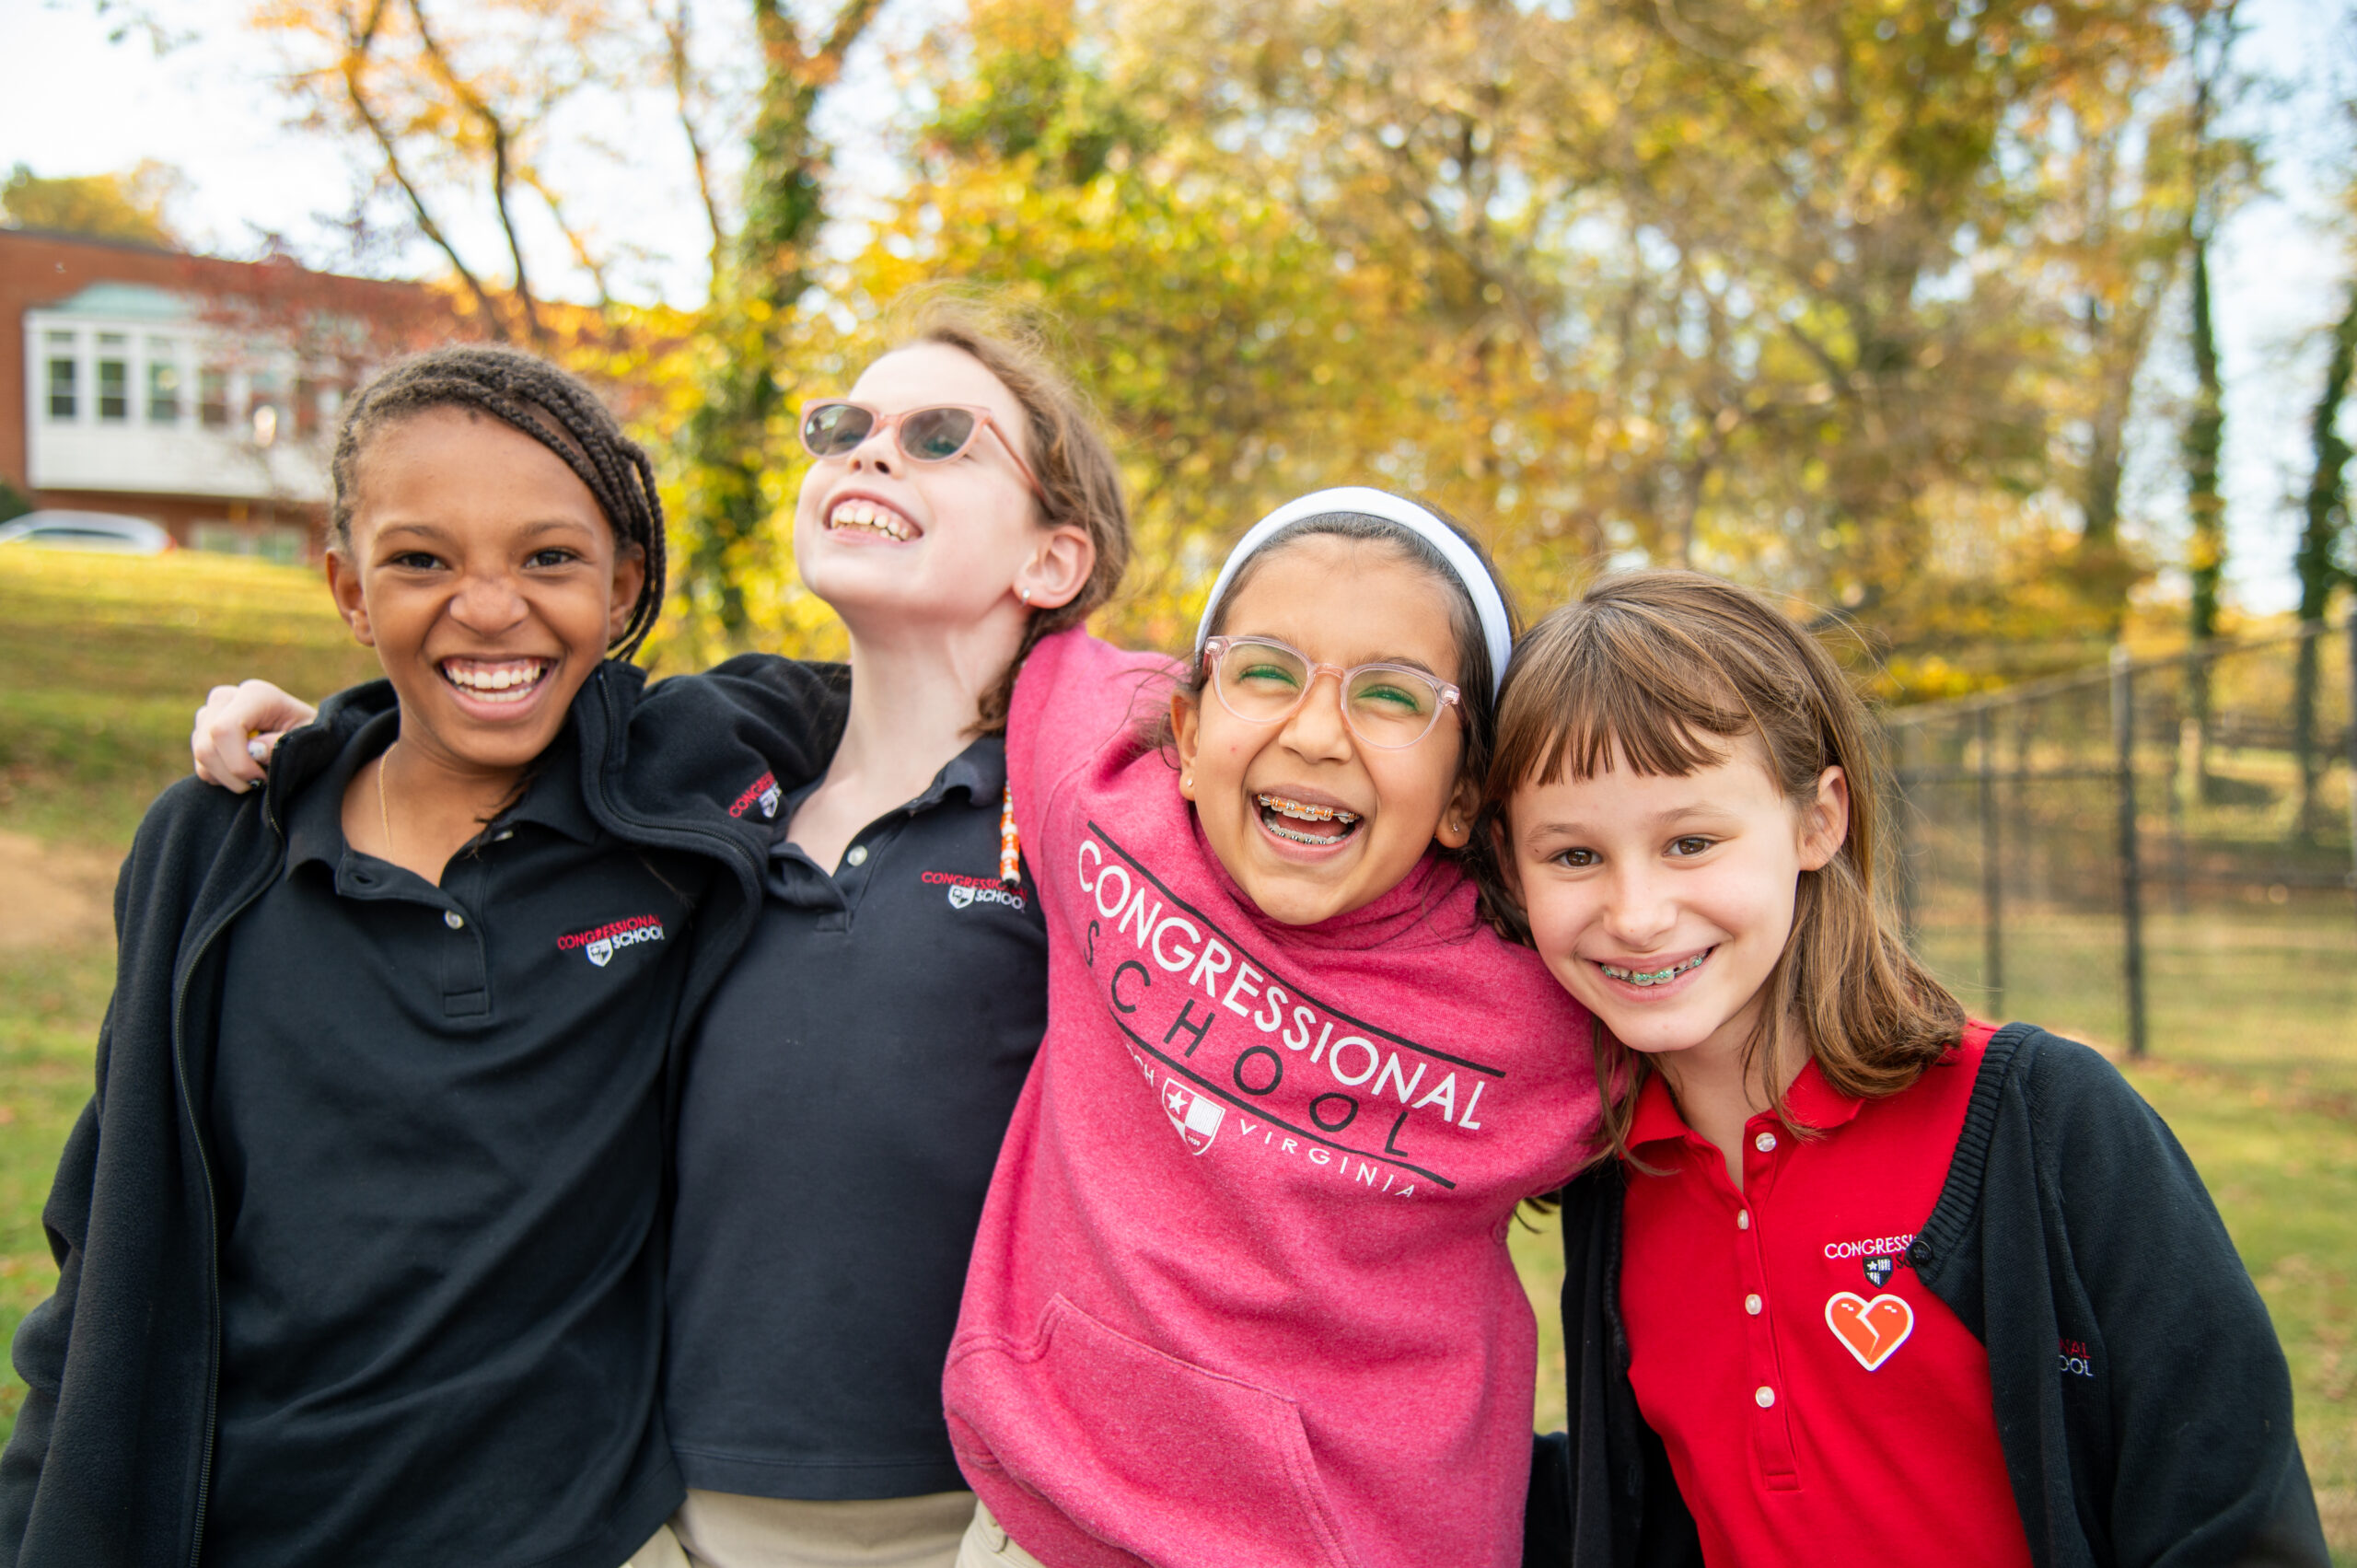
(724, 1529)
(987, 1545)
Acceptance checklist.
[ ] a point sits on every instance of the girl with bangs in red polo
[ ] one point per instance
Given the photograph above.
(1857, 1278)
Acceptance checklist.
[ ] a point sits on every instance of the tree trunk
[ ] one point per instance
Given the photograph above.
(2328, 515)
(2204, 438)
(724, 448)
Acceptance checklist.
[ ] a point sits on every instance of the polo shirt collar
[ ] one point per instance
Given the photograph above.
(1657, 1116)
(1811, 1102)
(980, 770)
(554, 799)
(315, 819)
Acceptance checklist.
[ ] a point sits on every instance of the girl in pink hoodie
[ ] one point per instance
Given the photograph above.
(1241, 1293)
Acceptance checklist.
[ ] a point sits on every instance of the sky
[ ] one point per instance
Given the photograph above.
(103, 98)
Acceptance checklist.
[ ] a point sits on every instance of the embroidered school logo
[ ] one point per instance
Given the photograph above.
(1870, 1331)
(600, 944)
(2076, 1362)
(1195, 1116)
(1879, 1269)
(1870, 1246)
(763, 792)
(966, 892)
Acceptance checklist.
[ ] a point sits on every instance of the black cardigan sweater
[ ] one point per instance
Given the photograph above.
(111, 1456)
(2068, 1212)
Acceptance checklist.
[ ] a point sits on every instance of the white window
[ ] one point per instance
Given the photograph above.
(213, 398)
(265, 398)
(63, 398)
(114, 378)
(163, 381)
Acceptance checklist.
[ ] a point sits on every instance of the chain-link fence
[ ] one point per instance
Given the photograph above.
(2155, 856)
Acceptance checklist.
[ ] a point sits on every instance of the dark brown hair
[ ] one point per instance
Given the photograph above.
(1069, 451)
(550, 404)
(1665, 673)
(1477, 702)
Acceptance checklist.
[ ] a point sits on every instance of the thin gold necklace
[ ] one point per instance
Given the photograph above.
(384, 818)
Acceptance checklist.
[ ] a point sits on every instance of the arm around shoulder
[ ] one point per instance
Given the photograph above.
(790, 711)
(1076, 695)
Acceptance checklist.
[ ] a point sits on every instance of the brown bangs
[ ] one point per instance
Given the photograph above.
(1585, 688)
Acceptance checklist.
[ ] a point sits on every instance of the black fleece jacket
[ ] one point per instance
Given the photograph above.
(111, 1457)
(2069, 1212)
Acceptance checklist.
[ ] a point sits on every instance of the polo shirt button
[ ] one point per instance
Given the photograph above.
(1765, 1142)
(1764, 1396)
(858, 855)
(454, 920)
(1751, 1305)
(1743, 1219)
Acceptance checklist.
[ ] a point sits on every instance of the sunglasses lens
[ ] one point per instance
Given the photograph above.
(937, 435)
(832, 429)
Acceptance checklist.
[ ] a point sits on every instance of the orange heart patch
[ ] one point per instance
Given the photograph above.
(1871, 1329)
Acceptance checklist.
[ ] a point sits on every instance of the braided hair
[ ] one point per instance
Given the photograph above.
(550, 404)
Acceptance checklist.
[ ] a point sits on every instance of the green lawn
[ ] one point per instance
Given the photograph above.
(102, 659)
(2268, 990)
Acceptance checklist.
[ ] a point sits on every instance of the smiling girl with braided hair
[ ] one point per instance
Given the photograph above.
(359, 1238)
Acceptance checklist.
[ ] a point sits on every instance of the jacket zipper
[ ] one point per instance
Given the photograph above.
(212, 1208)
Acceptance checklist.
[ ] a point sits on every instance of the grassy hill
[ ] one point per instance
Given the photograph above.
(104, 659)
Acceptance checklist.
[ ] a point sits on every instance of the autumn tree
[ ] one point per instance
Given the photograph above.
(733, 441)
(453, 108)
(130, 206)
(1761, 293)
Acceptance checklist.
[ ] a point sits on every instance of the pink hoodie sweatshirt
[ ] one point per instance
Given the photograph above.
(1241, 1294)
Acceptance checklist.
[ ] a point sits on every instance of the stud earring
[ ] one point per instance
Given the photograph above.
(1023, 594)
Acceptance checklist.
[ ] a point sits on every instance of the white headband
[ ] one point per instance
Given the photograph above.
(1487, 602)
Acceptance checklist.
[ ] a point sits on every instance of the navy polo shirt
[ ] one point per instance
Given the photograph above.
(847, 1091)
(435, 1118)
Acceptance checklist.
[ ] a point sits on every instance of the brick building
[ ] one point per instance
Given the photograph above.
(198, 392)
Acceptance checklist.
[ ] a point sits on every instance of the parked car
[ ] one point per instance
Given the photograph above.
(88, 530)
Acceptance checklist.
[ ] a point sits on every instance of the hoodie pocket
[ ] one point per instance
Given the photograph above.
(1162, 1459)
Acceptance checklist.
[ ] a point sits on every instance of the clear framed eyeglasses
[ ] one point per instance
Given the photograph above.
(1388, 706)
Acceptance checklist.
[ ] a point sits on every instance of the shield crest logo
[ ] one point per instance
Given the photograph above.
(1196, 1117)
(1879, 1269)
(961, 895)
(770, 798)
(600, 952)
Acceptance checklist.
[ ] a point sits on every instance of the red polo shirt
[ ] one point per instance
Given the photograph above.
(1818, 1404)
